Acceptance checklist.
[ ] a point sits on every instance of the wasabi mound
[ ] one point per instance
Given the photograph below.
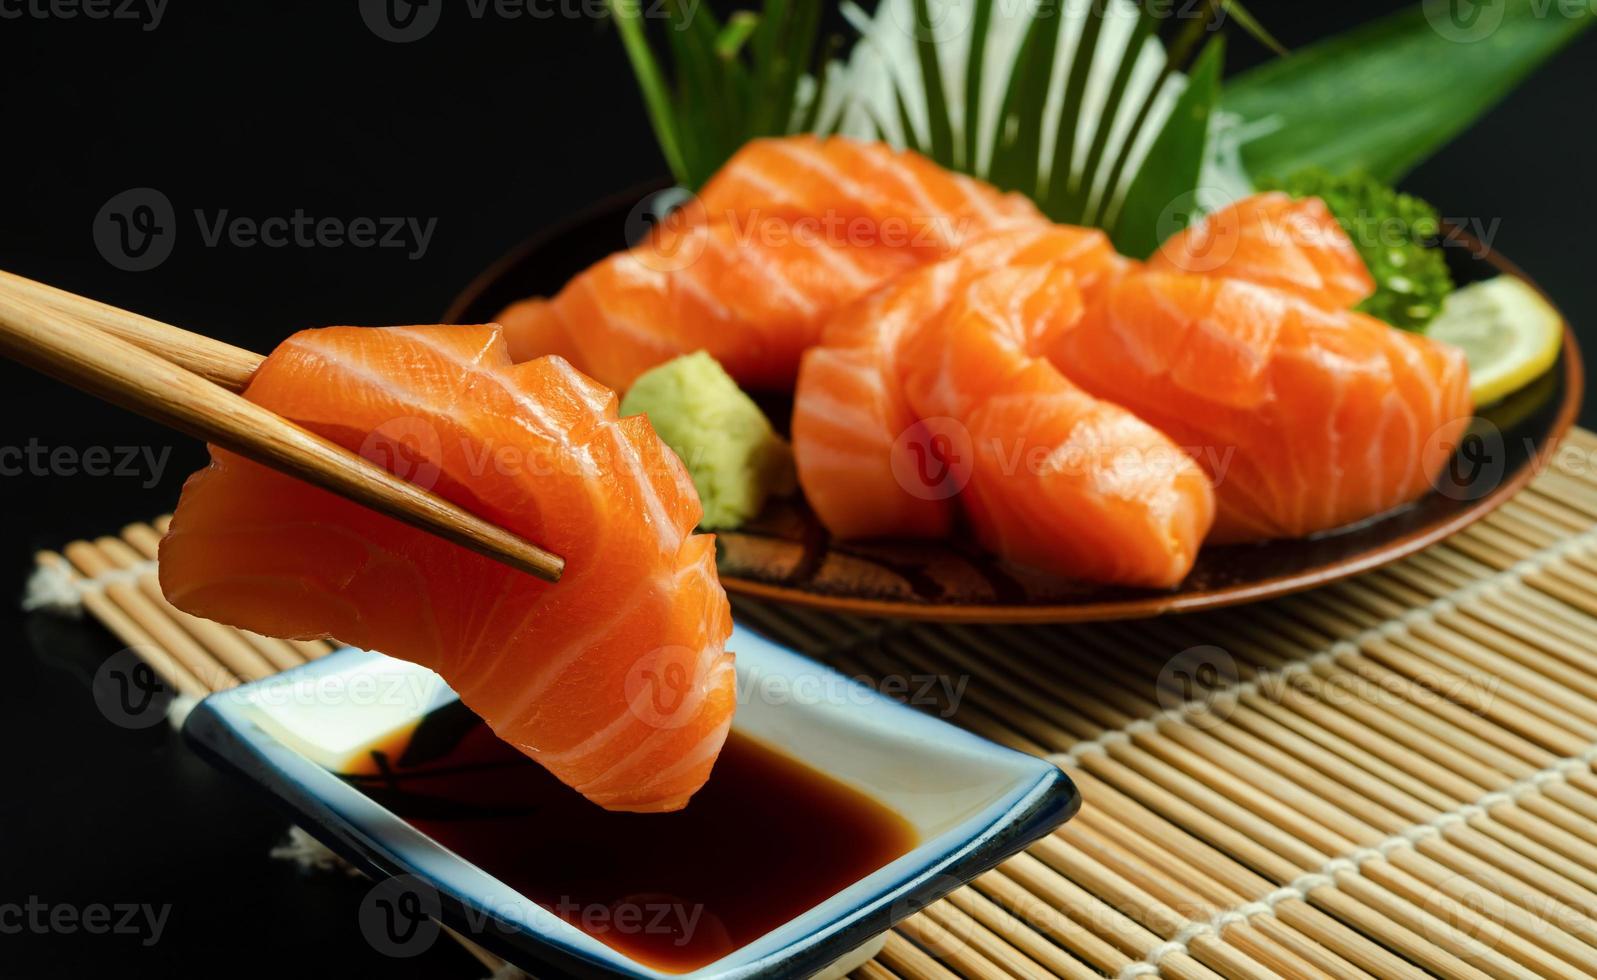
(736, 460)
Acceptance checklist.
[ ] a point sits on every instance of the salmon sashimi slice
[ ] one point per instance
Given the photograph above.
(616, 679)
(1273, 240)
(855, 437)
(1306, 419)
(788, 232)
(1058, 480)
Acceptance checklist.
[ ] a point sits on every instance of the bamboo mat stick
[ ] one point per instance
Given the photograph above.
(911, 962)
(91, 563)
(874, 970)
(226, 644)
(1003, 923)
(126, 629)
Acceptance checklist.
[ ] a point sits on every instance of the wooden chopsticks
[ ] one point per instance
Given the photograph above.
(187, 381)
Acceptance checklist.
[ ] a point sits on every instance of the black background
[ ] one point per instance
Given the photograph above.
(495, 127)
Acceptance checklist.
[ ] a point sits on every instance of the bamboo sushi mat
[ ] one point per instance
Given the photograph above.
(1389, 776)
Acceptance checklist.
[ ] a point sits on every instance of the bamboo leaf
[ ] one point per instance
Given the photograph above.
(795, 57)
(1145, 27)
(1385, 96)
(742, 25)
(939, 129)
(1018, 142)
(1063, 191)
(701, 82)
(811, 121)
(911, 139)
(1250, 24)
(1171, 171)
(651, 83)
(766, 45)
(1184, 44)
(975, 66)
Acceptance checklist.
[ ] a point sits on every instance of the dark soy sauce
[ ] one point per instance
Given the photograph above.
(765, 839)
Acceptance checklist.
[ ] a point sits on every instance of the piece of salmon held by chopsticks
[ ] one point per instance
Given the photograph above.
(1306, 419)
(789, 231)
(616, 679)
(1273, 240)
(855, 436)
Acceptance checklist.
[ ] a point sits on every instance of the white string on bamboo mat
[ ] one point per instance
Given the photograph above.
(53, 588)
(1353, 863)
(1391, 629)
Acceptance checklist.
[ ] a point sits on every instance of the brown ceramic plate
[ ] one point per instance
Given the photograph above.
(787, 556)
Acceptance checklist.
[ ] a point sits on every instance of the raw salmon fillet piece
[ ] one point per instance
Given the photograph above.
(1273, 240)
(1059, 480)
(790, 230)
(616, 679)
(1305, 418)
(854, 432)
(930, 395)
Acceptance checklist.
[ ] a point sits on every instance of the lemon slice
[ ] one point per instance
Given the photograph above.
(1510, 334)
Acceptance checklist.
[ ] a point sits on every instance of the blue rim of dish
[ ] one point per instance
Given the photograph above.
(382, 845)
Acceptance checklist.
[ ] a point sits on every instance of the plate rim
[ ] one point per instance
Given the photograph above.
(1125, 609)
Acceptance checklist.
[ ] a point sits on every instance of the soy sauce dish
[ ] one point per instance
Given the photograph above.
(833, 813)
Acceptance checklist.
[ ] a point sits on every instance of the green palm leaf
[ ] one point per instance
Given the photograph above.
(1166, 183)
(1387, 95)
